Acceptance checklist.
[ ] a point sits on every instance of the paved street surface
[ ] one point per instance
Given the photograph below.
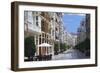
(70, 54)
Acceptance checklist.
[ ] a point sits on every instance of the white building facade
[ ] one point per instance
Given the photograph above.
(46, 27)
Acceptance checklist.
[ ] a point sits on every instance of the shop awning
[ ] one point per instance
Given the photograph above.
(44, 45)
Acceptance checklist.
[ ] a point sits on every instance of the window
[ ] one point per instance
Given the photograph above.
(33, 12)
(56, 20)
(43, 40)
(39, 40)
(36, 41)
(56, 29)
(42, 34)
(51, 18)
(36, 17)
(36, 12)
(36, 23)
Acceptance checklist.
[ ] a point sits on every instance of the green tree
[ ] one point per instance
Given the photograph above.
(83, 46)
(63, 47)
(30, 48)
(56, 48)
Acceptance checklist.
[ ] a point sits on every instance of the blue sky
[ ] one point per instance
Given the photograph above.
(72, 21)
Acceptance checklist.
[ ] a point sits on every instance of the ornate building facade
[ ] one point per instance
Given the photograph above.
(46, 28)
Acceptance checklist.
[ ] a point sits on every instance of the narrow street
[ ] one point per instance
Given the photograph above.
(70, 54)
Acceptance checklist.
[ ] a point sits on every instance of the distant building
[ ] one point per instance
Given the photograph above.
(74, 38)
(83, 31)
(70, 39)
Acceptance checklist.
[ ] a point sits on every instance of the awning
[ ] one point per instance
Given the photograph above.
(44, 45)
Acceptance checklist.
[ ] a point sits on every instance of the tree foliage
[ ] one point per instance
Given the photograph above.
(56, 46)
(30, 48)
(63, 46)
(83, 46)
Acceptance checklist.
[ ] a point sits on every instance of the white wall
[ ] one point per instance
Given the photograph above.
(5, 37)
